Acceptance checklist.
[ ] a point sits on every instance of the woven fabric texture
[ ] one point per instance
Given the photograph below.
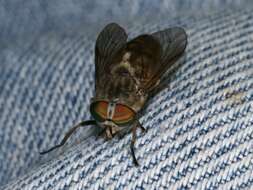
(199, 128)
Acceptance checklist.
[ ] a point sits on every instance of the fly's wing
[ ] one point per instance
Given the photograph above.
(173, 43)
(109, 41)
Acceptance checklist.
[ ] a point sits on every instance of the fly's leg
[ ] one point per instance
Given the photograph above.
(132, 145)
(69, 133)
(143, 130)
(101, 133)
(137, 125)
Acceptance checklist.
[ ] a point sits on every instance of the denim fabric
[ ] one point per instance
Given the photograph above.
(199, 128)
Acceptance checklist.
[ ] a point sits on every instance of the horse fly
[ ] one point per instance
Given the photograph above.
(126, 74)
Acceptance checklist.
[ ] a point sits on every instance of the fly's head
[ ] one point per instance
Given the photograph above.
(112, 116)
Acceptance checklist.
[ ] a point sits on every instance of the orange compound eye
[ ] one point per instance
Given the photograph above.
(99, 110)
(123, 114)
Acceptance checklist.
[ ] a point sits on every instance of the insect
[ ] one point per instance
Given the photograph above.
(126, 74)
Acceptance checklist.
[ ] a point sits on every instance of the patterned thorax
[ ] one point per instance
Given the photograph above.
(130, 68)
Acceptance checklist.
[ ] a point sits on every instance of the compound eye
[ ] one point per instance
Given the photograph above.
(99, 110)
(123, 114)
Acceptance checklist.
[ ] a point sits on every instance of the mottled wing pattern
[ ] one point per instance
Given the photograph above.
(109, 41)
(173, 42)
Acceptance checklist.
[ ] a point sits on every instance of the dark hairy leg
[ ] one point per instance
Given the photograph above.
(132, 145)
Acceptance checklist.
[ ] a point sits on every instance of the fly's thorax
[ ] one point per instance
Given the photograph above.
(122, 82)
(124, 90)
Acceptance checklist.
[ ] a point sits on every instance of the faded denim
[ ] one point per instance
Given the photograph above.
(199, 128)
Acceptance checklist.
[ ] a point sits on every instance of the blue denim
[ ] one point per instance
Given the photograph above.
(199, 128)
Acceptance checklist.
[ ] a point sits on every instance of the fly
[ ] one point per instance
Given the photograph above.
(126, 74)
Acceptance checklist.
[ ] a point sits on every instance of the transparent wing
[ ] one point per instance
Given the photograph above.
(173, 42)
(109, 41)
